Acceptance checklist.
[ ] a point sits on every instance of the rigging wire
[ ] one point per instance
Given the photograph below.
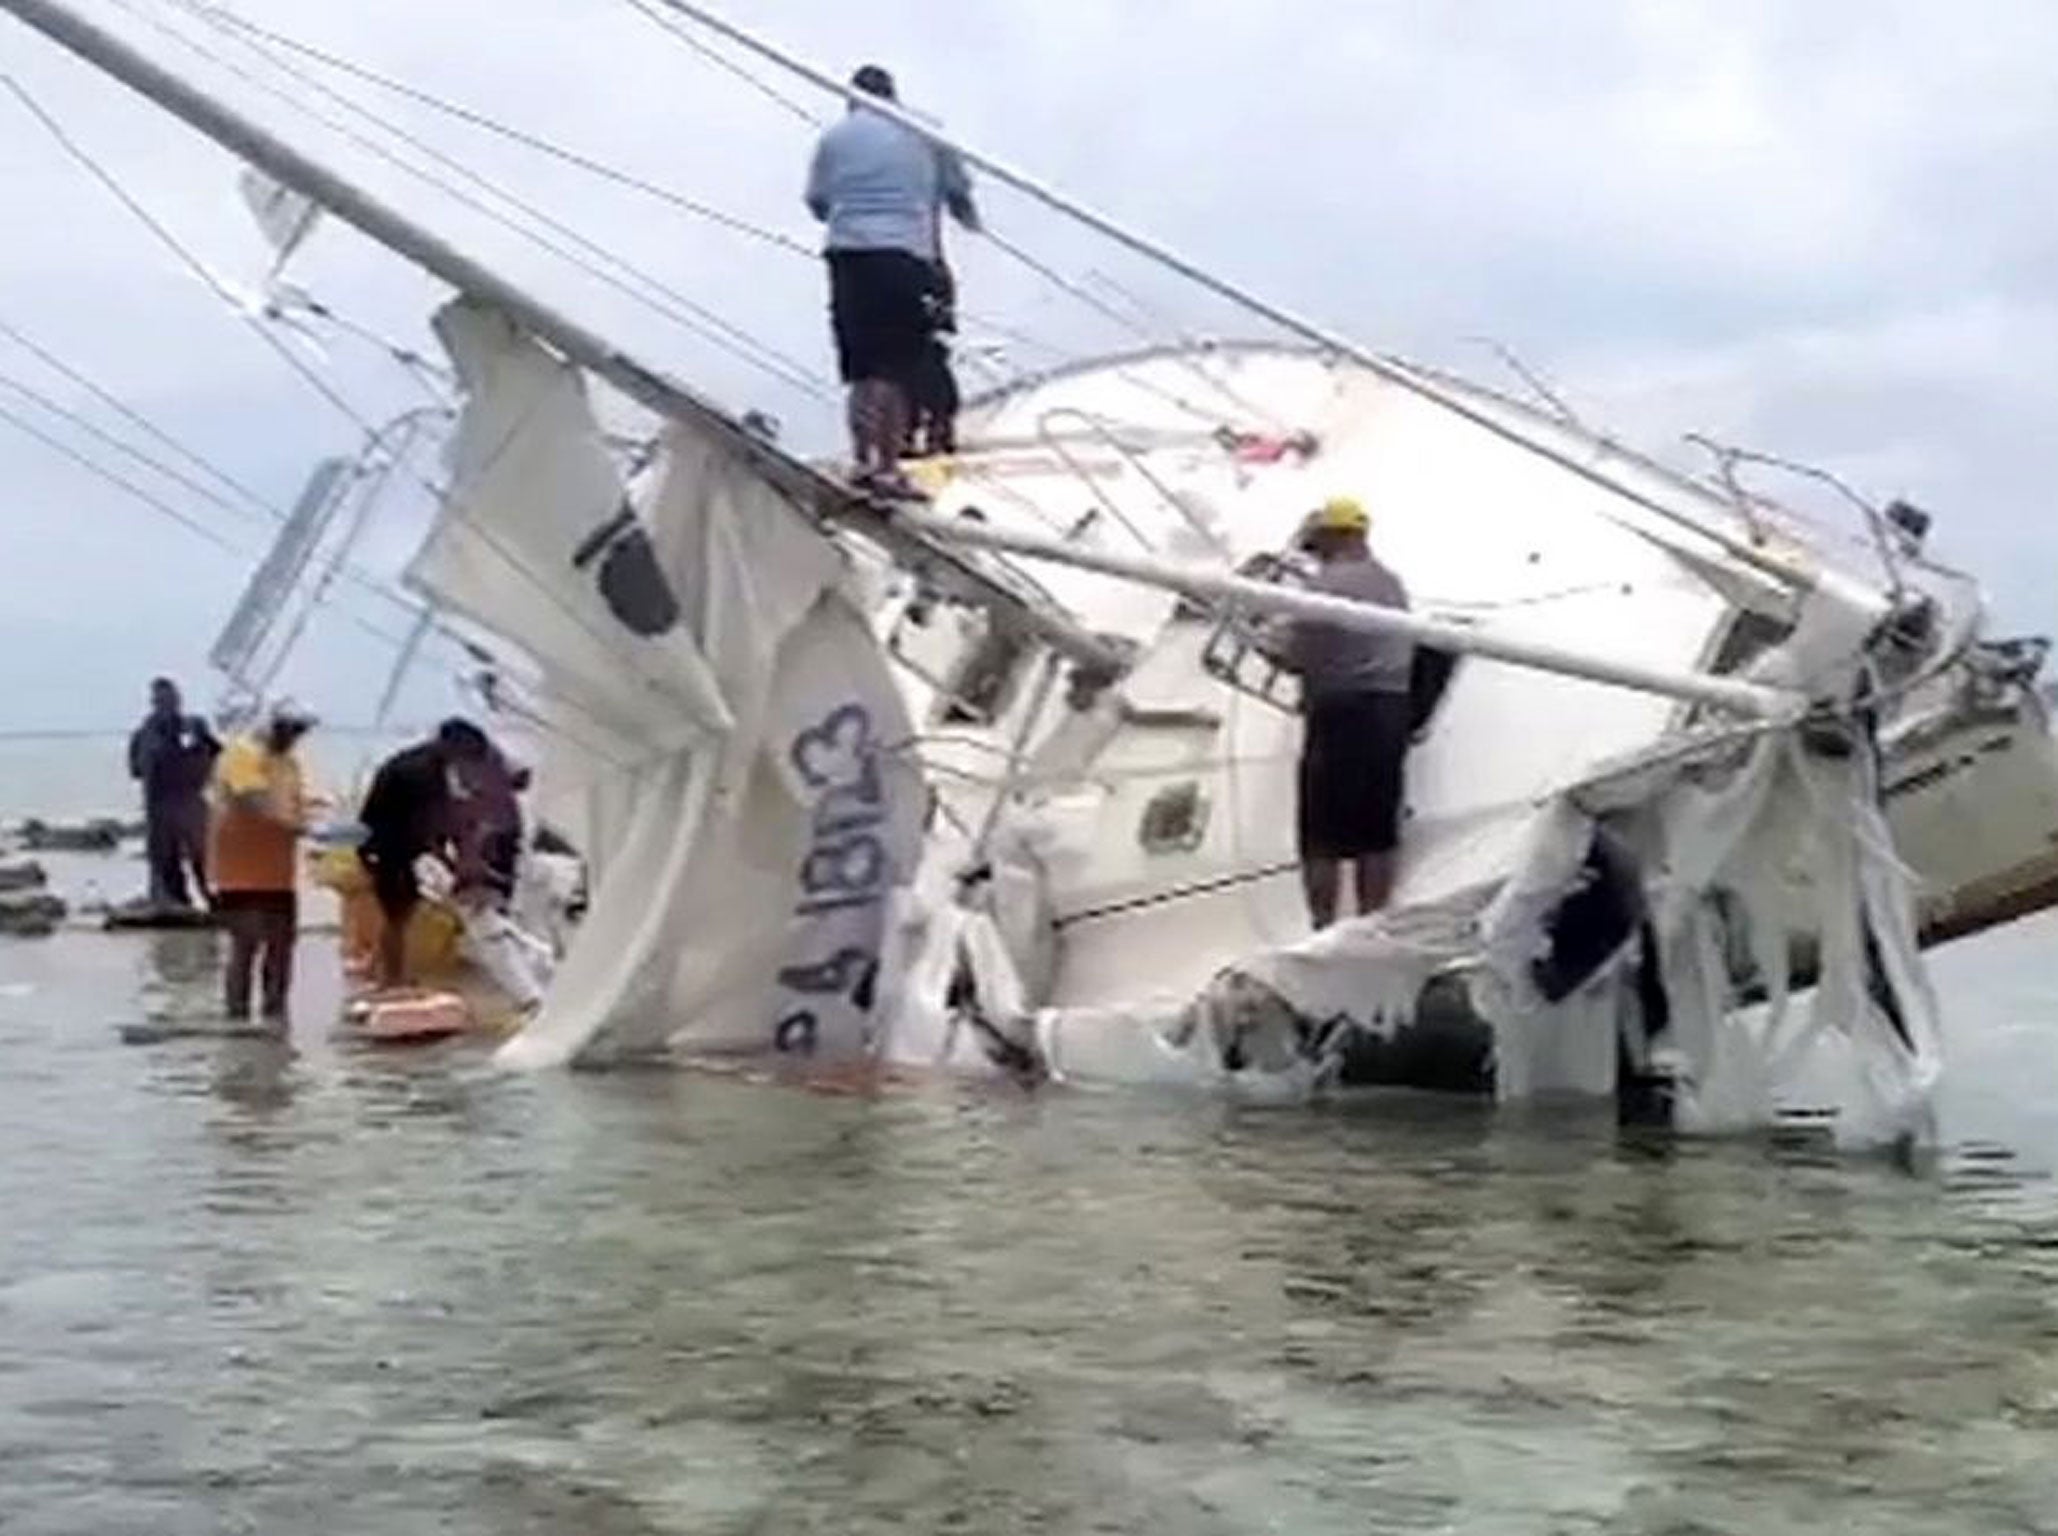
(113, 185)
(149, 498)
(667, 22)
(514, 135)
(585, 162)
(679, 30)
(230, 19)
(158, 504)
(433, 380)
(680, 309)
(226, 21)
(372, 434)
(163, 508)
(353, 574)
(446, 496)
(178, 248)
(100, 434)
(136, 418)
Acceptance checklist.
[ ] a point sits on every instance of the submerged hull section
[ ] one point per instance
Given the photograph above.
(1140, 848)
(1971, 797)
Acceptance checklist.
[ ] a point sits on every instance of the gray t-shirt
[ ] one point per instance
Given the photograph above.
(1334, 661)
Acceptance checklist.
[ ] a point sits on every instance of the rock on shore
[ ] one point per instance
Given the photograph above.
(30, 914)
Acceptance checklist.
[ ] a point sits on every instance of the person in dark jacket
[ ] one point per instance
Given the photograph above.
(171, 755)
(489, 825)
(932, 387)
(410, 811)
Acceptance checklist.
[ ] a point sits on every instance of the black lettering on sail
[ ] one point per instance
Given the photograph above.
(630, 583)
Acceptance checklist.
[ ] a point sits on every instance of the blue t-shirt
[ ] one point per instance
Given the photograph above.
(879, 186)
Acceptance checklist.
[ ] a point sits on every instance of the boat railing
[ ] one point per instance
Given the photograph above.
(1102, 432)
(1243, 652)
(1879, 534)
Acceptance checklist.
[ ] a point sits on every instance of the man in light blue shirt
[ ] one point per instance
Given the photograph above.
(880, 189)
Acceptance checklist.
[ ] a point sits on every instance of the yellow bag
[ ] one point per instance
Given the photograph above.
(339, 870)
(433, 932)
(432, 939)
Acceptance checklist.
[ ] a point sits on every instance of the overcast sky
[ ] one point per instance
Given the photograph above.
(1817, 227)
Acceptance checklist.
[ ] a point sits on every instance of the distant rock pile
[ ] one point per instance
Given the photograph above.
(103, 834)
(27, 910)
(22, 875)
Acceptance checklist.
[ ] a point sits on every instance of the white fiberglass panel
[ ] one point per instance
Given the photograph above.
(1481, 530)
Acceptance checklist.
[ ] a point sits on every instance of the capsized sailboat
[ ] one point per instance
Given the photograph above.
(1004, 784)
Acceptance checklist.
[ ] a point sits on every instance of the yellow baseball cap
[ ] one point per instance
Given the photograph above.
(1342, 514)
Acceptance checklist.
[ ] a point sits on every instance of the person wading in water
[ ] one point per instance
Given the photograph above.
(409, 811)
(260, 807)
(171, 755)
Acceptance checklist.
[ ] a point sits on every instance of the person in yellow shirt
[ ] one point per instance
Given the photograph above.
(254, 832)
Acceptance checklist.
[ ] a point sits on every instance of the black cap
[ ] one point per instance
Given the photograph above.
(874, 81)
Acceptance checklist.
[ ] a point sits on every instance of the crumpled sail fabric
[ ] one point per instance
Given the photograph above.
(536, 542)
(1710, 836)
(750, 809)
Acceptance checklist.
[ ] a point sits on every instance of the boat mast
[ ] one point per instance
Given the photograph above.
(921, 539)
(808, 487)
(1247, 596)
(1763, 560)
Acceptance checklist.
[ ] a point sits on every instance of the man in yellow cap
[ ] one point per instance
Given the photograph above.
(1354, 691)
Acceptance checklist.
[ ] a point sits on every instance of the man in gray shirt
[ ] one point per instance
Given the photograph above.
(880, 189)
(1354, 690)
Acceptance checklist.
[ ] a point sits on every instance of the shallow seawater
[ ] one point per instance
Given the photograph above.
(247, 1286)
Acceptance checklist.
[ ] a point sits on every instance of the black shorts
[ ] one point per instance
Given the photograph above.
(1350, 778)
(393, 880)
(879, 305)
(282, 906)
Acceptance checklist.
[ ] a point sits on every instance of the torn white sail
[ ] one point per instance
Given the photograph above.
(537, 542)
(284, 217)
(1700, 846)
(749, 804)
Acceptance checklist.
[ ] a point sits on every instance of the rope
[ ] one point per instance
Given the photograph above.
(128, 413)
(681, 310)
(179, 249)
(355, 575)
(100, 434)
(122, 482)
(512, 134)
(721, 61)
(107, 179)
(682, 34)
